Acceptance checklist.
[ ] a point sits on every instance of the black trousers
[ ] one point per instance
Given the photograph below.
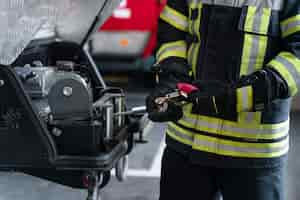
(181, 180)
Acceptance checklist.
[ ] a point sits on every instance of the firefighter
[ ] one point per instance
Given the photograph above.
(232, 135)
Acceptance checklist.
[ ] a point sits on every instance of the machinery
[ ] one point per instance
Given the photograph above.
(58, 119)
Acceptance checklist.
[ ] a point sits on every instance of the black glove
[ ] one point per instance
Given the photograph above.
(172, 71)
(266, 83)
(267, 86)
(172, 111)
(208, 89)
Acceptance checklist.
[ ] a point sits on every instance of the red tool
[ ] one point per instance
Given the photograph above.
(183, 90)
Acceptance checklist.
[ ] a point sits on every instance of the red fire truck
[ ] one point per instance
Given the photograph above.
(127, 40)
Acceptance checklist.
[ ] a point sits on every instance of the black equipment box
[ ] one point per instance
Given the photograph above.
(79, 138)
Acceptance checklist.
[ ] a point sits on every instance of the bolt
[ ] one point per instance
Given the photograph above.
(67, 91)
(57, 132)
(1, 82)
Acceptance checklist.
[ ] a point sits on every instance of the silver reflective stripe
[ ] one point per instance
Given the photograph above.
(180, 135)
(228, 147)
(254, 53)
(219, 147)
(249, 117)
(255, 46)
(221, 127)
(244, 101)
(175, 18)
(257, 20)
(290, 27)
(273, 4)
(291, 68)
(261, 20)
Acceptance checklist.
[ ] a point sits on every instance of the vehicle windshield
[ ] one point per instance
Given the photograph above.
(24, 20)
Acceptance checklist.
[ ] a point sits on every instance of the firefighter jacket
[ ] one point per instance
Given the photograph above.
(224, 40)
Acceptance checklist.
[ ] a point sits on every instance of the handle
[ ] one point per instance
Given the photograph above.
(186, 88)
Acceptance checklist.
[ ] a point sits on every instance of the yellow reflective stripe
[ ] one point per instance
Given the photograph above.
(250, 18)
(243, 144)
(215, 104)
(240, 149)
(191, 25)
(222, 128)
(288, 66)
(177, 48)
(246, 54)
(255, 46)
(234, 129)
(290, 20)
(194, 29)
(189, 53)
(174, 18)
(257, 20)
(245, 99)
(198, 21)
(262, 49)
(188, 108)
(188, 135)
(179, 139)
(227, 147)
(167, 46)
(183, 138)
(263, 40)
(195, 58)
(290, 26)
(291, 31)
(244, 104)
(180, 54)
(292, 59)
(265, 20)
(286, 74)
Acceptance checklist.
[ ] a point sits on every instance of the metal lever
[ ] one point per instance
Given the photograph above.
(133, 111)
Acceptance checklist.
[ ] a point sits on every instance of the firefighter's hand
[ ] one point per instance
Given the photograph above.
(207, 89)
(267, 86)
(170, 72)
(162, 111)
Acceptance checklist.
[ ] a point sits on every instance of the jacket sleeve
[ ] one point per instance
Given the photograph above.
(172, 29)
(287, 63)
